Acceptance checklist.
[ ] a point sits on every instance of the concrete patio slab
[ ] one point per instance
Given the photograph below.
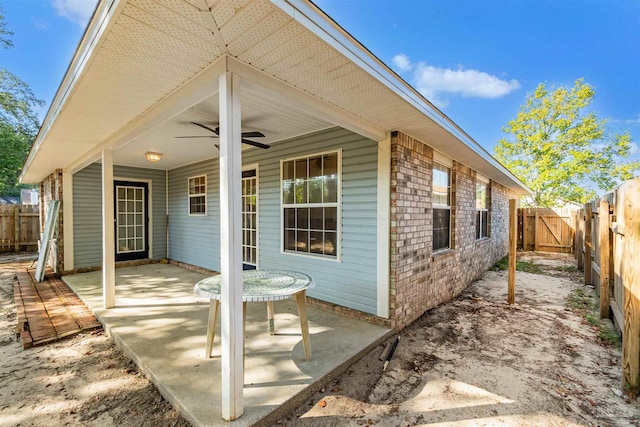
(161, 324)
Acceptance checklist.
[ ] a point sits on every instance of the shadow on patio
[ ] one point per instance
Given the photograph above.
(161, 324)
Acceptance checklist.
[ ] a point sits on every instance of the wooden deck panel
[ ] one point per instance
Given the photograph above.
(49, 310)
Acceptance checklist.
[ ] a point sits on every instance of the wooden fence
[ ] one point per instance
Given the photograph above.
(608, 250)
(546, 230)
(19, 228)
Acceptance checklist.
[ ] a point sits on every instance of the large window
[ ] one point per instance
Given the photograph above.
(482, 210)
(441, 207)
(310, 203)
(198, 195)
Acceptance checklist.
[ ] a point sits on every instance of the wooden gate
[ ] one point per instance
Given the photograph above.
(546, 230)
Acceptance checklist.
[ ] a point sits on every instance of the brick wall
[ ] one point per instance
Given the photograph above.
(51, 189)
(419, 279)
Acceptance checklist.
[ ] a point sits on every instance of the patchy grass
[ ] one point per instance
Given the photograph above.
(584, 304)
(526, 266)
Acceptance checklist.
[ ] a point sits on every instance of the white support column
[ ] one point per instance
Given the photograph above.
(231, 247)
(108, 232)
(67, 220)
(384, 222)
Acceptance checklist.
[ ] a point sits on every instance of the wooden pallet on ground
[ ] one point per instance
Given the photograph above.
(48, 310)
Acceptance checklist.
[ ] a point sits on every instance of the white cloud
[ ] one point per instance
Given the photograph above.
(635, 121)
(634, 149)
(435, 82)
(78, 11)
(402, 62)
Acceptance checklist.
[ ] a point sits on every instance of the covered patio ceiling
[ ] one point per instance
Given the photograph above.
(261, 111)
(146, 68)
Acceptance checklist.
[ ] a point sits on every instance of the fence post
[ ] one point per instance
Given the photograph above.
(513, 239)
(631, 280)
(587, 243)
(603, 239)
(579, 239)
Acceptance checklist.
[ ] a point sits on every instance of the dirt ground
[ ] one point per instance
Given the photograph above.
(80, 381)
(475, 361)
(546, 361)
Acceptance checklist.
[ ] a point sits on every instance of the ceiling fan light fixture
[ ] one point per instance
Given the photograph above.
(153, 157)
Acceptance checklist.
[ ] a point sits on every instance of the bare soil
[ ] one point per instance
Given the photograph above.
(80, 381)
(475, 361)
(479, 362)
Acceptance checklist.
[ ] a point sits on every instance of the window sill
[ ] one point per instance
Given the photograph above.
(483, 241)
(444, 254)
(311, 256)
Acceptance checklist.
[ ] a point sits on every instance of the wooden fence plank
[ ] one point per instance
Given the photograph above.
(631, 278)
(603, 238)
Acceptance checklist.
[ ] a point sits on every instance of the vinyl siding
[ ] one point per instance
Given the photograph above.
(194, 239)
(87, 207)
(350, 282)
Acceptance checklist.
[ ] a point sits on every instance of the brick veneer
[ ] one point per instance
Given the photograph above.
(420, 280)
(51, 189)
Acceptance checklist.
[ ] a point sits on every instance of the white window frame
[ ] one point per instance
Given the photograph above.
(338, 205)
(444, 207)
(481, 180)
(256, 167)
(189, 195)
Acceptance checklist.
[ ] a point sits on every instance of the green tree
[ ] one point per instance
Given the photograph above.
(18, 121)
(561, 151)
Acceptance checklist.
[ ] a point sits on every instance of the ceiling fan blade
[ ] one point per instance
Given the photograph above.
(196, 136)
(216, 130)
(255, 144)
(252, 135)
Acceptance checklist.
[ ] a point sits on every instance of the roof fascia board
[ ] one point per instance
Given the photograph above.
(309, 16)
(104, 18)
(296, 98)
(198, 88)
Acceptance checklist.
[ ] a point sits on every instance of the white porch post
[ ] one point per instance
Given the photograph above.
(108, 232)
(384, 225)
(231, 247)
(67, 219)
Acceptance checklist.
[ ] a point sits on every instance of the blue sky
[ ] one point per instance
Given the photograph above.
(476, 60)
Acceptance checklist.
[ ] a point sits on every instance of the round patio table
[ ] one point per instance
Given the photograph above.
(266, 285)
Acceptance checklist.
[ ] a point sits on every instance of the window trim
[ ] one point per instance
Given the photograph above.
(338, 205)
(443, 207)
(487, 209)
(189, 196)
(256, 167)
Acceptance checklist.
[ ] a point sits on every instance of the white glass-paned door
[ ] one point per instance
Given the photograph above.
(250, 218)
(130, 214)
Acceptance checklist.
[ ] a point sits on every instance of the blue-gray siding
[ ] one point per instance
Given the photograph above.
(351, 282)
(87, 208)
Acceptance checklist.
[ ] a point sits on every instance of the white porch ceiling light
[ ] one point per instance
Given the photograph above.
(153, 157)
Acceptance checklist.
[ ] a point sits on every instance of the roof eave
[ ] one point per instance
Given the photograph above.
(104, 14)
(315, 20)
